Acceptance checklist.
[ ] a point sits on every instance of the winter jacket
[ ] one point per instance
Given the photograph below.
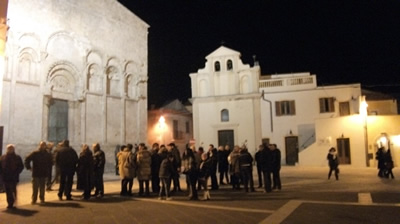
(166, 169)
(67, 159)
(41, 163)
(143, 159)
(10, 167)
(85, 170)
(234, 162)
(126, 164)
(99, 160)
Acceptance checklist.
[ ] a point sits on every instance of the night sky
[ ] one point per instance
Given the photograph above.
(341, 41)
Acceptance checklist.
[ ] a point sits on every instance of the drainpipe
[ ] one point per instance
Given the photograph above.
(270, 110)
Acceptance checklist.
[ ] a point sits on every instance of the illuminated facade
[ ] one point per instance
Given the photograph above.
(74, 69)
(170, 123)
(290, 110)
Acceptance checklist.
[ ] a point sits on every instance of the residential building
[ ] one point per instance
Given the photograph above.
(171, 123)
(292, 111)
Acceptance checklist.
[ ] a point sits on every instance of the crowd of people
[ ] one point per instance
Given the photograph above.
(89, 167)
(160, 167)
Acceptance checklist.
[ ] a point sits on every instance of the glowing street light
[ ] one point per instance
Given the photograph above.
(161, 127)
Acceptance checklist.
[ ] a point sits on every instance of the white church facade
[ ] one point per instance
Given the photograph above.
(234, 104)
(74, 70)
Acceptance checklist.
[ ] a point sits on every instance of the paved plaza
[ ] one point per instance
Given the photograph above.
(307, 196)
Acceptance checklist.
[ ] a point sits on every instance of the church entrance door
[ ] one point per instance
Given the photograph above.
(225, 137)
(58, 120)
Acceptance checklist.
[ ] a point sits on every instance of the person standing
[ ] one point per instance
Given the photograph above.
(212, 155)
(246, 169)
(234, 167)
(118, 149)
(143, 159)
(223, 164)
(66, 159)
(191, 172)
(57, 174)
(41, 164)
(99, 161)
(204, 173)
(276, 167)
(10, 167)
(165, 172)
(389, 164)
(258, 158)
(266, 165)
(177, 166)
(84, 171)
(380, 156)
(50, 146)
(333, 163)
(155, 168)
(126, 170)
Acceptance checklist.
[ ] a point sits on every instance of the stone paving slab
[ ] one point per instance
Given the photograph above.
(344, 214)
(303, 184)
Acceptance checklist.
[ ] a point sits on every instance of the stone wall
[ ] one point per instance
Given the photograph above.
(92, 54)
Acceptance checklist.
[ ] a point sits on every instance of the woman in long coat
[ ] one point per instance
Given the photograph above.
(85, 171)
(143, 169)
(126, 167)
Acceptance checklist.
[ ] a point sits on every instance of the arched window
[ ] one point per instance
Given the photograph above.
(224, 115)
(229, 65)
(217, 66)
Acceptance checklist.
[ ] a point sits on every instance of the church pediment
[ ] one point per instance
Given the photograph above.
(223, 51)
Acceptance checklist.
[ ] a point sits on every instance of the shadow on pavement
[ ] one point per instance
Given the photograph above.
(61, 204)
(21, 212)
(108, 198)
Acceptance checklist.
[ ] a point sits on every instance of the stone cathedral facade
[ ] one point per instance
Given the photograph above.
(75, 70)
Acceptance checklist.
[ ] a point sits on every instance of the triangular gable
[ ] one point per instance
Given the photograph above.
(223, 51)
(175, 105)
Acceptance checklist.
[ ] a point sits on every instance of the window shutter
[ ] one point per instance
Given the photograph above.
(278, 108)
(292, 107)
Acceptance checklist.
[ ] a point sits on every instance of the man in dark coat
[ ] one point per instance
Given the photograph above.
(213, 156)
(246, 169)
(276, 166)
(266, 166)
(259, 160)
(10, 167)
(99, 161)
(223, 164)
(155, 168)
(177, 166)
(67, 159)
(41, 167)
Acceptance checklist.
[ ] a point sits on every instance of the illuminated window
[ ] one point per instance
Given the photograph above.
(327, 105)
(224, 115)
(217, 66)
(285, 108)
(229, 65)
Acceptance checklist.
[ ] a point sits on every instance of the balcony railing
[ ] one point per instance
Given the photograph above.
(294, 81)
